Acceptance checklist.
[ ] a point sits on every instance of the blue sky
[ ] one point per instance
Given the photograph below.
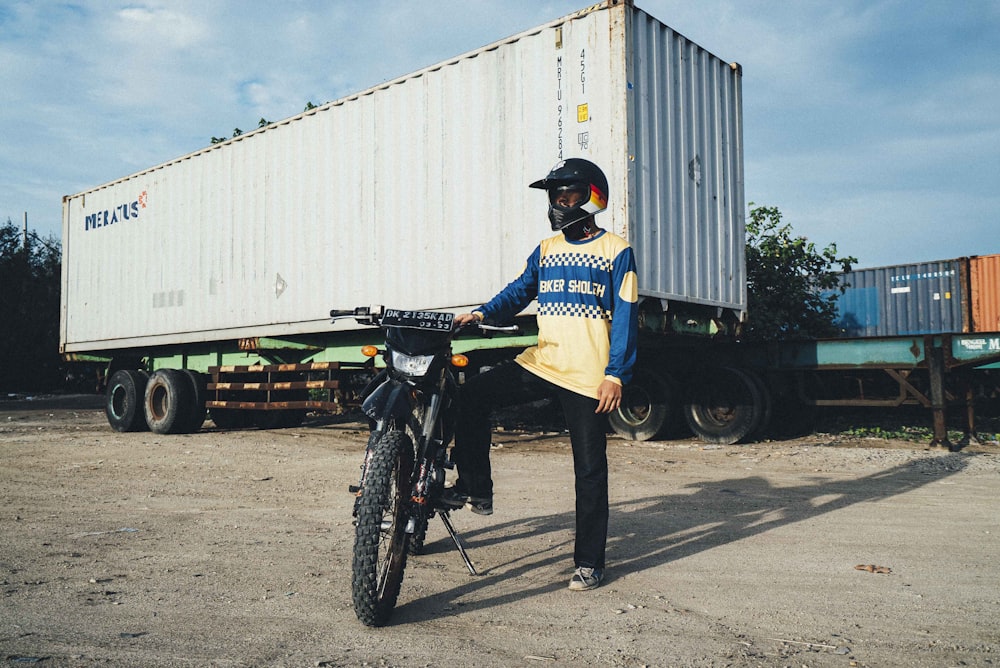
(872, 125)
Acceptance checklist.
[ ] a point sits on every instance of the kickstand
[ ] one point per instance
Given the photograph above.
(458, 543)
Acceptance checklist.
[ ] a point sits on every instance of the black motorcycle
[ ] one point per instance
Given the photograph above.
(411, 405)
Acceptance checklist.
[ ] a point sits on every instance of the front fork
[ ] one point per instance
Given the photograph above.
(430, 465)
(428, 472)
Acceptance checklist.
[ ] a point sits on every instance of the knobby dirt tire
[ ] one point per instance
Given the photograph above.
(381, 541)
(124, 399)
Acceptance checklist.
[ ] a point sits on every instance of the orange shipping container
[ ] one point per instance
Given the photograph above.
(984, 279)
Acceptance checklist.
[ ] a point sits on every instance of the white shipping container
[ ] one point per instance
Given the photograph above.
(414, 193)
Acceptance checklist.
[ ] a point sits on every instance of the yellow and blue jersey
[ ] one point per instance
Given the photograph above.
(587, 310)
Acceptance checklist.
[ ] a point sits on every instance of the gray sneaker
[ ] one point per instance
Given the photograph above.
(586, 578)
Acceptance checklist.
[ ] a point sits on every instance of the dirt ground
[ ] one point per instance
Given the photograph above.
(233, 548)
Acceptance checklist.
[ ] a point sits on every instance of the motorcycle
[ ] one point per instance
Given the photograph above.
(411, 406)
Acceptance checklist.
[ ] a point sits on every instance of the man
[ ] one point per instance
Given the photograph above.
(585, 283)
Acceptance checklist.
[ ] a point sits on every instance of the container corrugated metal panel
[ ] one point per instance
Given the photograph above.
(901, 300)
(984, 281)
(414, 193)
(686, 127)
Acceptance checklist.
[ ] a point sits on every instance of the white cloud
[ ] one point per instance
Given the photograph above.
(157, 28)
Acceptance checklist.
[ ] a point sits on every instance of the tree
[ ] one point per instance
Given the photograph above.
(29, 311)
(263, 122)
(792, 286)
(236, 133)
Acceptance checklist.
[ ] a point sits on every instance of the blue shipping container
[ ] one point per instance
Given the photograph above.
(902, 300)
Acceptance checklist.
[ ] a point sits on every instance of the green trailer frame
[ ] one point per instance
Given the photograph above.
(946, 364)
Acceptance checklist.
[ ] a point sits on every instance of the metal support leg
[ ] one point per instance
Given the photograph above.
(458, 543)
(968, 396)
(935, 367)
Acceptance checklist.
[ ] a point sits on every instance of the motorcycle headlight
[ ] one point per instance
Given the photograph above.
(411, 365)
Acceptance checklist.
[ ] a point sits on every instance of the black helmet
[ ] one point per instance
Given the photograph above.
(574, 174)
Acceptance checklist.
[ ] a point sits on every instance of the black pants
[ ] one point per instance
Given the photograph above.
(509, 384)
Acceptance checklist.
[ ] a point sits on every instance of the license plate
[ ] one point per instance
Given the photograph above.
(418, 319)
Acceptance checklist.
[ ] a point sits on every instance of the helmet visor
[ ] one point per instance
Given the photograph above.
(587, 197)
(569, 197)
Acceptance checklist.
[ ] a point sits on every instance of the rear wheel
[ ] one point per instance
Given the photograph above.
(380, 542)
(724, 407)
(124, 399)
(645, 407)
(168, 402)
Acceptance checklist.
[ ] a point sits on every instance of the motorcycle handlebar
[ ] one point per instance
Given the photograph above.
(370, 314)
(499, 328)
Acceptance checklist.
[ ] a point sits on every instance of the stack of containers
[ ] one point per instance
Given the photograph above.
(959, 295)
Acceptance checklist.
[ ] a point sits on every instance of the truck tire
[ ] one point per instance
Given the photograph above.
(645, 409)
(199, 388)
(724, 407)
(124, 399)
(168, 402)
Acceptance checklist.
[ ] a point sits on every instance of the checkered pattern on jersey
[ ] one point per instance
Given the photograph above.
(591, 311)
(576, 260)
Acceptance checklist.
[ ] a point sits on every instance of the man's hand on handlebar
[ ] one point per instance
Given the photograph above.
(466, 319)
(476, 318)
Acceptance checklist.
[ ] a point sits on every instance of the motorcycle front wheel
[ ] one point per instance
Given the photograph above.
(380, 540)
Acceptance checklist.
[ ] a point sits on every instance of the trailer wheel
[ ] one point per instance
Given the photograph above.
(645, 407)
(724, 407)
(124, 398)
(199, 389)
(168, 402)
